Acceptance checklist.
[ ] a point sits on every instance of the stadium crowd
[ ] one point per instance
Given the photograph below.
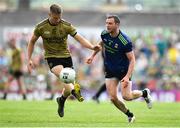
(157, 63)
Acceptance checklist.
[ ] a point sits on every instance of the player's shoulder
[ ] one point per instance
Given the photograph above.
(125, 36)
(64, 22)
(42, 23)
(104, 32)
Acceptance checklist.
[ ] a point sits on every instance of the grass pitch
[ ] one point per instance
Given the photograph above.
(86, 114)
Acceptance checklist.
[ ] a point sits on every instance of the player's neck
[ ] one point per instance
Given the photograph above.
(115, 33)
(50, 22)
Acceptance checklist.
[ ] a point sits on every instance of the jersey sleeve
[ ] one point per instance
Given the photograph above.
(128, 47)
(103, 34)
(37, 31)
(72, 30)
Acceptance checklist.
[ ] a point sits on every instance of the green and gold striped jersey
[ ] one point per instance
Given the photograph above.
(55, 38)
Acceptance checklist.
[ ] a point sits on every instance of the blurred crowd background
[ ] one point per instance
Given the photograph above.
(153, 26)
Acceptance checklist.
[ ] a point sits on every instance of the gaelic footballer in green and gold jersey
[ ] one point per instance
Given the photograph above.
(54, 32)
(15, 70)
(16, 60)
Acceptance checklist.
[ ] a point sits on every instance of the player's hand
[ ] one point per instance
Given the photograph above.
(125, 81)
(97, 48)
(30, 66)
(89, 60)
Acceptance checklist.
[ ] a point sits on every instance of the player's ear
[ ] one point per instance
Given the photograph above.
(118, 24)
(49, 14)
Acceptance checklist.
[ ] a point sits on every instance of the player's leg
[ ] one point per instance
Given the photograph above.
(68, 89)
(60, 63)
(6, 86)
(65, 93)
(147, 97)
(112, 89)
(128, 94)
(74, 88)
(77, 92)
(99, 92)
(61, 100)
(51, 81)
(22, 87)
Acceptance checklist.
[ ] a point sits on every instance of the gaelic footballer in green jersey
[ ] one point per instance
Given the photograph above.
(15, 70)
(54, 32)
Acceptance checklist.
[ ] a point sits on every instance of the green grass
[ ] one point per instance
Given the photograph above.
(86, 114)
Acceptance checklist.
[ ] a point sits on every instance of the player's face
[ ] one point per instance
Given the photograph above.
(111, 26)
(12, 43)
(54, 18)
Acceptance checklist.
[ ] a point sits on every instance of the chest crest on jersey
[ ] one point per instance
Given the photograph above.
(116, 45)
(46, 32)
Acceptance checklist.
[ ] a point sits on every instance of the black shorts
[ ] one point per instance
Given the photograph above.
(66, 62)
(119, 74)
(16, 74)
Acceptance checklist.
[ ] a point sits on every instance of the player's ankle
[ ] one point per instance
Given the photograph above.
(73, 92)
(144, 93)
(129, 114)
(63, 98)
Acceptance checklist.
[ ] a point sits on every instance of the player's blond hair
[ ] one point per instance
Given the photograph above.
(56, 9)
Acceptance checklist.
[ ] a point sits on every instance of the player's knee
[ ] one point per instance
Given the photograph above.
(67, 92)
(113, 99)
(127, 97)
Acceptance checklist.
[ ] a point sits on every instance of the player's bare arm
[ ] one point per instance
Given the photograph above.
(90, 59)
(131, 58)
(30, 51)
(86, 43)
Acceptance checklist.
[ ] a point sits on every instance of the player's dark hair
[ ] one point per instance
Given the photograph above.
(116, 18)
(56, 9)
